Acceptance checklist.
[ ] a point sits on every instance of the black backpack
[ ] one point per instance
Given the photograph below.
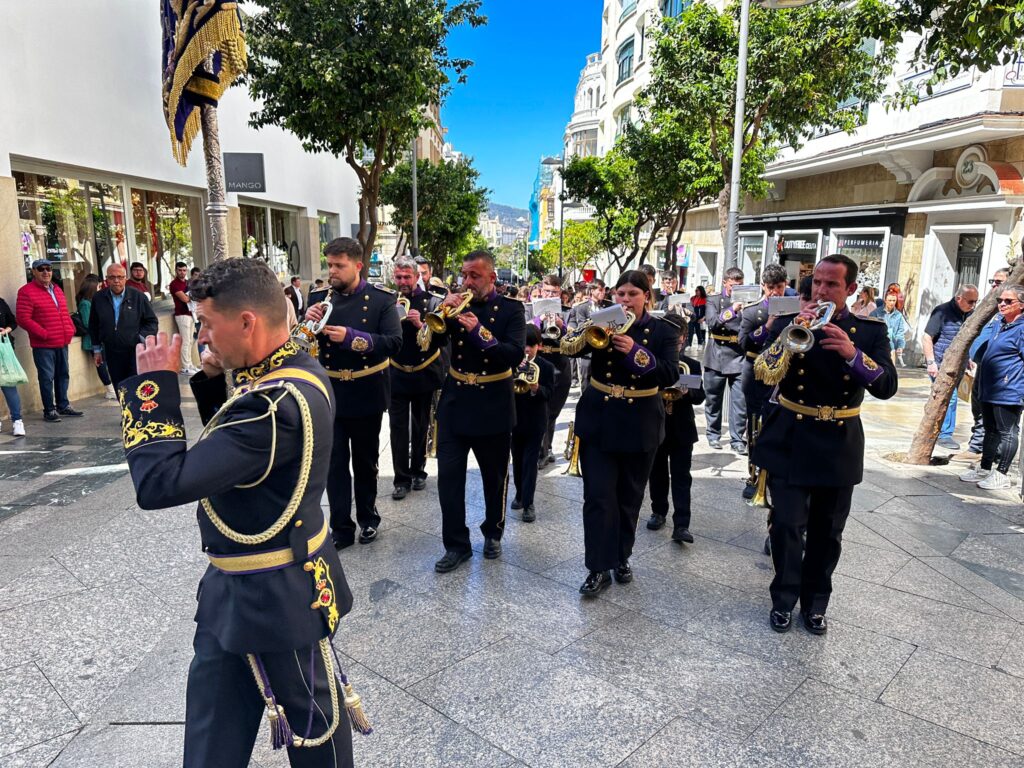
(80, 329)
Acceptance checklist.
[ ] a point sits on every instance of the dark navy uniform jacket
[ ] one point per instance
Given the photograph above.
(807, 451)
(371, 315)
(723, 354)
(532, 407)
(617, 422)
(680, 426)
(492, 348)
(414, 371)
(246, 470)
(754, 337)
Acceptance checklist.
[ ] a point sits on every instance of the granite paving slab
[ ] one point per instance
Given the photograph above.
(66, 491)
(919, 577)
(977, 701)
(869, 563)
(686, 675)
(685, 742)
(1013, 657)
(977, 584)
(47, 579)
(33, 711)
(542, 710)
(122, 746)
(820, 726)
(39, 754)
(962, 513)
(724, 564)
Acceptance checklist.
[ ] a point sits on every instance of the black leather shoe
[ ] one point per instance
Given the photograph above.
(781, 621)
(815, 623)
(419, 483)
(740, 448)
(343, 542)
(69, 411)
(52, 416)
(656, 523)
(624, 574)
(368, 534)
(399, 493)
(749, 491)
(716, 444)
(517, 504)
(492, 549)
(681, 535)
(529, 514)
(595, 583)
(451, 561)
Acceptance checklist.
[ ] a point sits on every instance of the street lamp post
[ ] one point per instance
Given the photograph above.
(415, 205)
(561, 214)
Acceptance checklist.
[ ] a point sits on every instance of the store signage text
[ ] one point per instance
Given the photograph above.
(243, 172)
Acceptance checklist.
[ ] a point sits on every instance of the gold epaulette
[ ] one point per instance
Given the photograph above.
(771, 366)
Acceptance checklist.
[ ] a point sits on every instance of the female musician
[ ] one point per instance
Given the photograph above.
(620, 420)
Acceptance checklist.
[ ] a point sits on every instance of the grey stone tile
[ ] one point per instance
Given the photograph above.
(870, 563)
(68, 490)
(965, 634)
(724, 564)
(868, 499)
(978, 585)
(32, 710)
(858, 533)
(926, 528)
(405, 636)
(40, 754)
(84, 642)
(994, 558)
(669, 597)
(541, 710)
(918, 578)
(848, 658)
(1013, 657)
(886, 526)
(46, 580)
(685, 742)
(961, 512)
(821, 726)
(681, 673)
(12, 568)
(537, 548)
(122, 746)
(977, 701)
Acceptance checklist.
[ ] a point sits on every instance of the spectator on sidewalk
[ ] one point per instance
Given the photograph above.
(699, 302)
(865, 304)
(7, 325)
(943, 325)
(294, 294)
(897, 325)
(83, 299)
(121, 317)
(42, 311)
(139, 280)
(183, 317)
(1001, 377)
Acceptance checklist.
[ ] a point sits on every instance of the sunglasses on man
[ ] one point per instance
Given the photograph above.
(44, 269)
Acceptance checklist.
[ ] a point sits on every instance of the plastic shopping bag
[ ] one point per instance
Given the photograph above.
(11, 372)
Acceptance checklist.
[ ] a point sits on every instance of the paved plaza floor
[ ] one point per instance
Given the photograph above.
(502, 663)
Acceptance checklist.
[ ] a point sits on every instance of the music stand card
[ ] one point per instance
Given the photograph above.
(542, 307)
(783, 305)
(677, 300)
(690, 381)
(745, 294)
(613, 315)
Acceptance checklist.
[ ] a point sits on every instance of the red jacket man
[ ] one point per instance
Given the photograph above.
(42, 311)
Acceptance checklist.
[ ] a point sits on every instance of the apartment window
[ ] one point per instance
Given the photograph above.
(628, 6)
(622, 120)
(672, 8)
(624, 57)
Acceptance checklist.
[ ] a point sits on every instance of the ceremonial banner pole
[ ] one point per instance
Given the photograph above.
(216, 206)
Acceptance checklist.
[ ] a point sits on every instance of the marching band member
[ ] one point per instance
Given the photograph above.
(477, 407)
(675, 454)
(723, 363)
(620, 420)
(812, 442)
(551, 288)
(361, 334)
(531, 423)
(579, 315)
(415, 375)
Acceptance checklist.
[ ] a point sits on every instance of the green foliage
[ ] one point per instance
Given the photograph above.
(449, 203)
(353, 77)
(582, 242)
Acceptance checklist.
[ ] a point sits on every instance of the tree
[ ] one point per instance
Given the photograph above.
(582, 243)
(809, 68)
(449, 204)
(354, 77)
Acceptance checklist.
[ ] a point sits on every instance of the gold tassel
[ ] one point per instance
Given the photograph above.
(772, 365)
(423, 337)
(573, 342)
(354, 707)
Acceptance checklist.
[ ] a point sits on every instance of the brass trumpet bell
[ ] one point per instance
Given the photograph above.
(438, 320)
(404, 305)
(760, 497)
(567, 452)
(599, 336)
(573, 470)
(799, 337)
(527, 375)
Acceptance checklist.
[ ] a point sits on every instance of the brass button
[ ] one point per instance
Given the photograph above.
(608, 375)
(364, 319)
(495, 307)
(460, 343)
(799, 417)
(846, 377)
(486, 360)
(458, 357)
(800, 372)
(840, 423)
(365, 309)
(606, 398)
(800, 401)
(630, 401)
(492, 319)
(298, 523)
(853, 329)
(633, 376)
(307, 567)
(799, 387)
(366, 297)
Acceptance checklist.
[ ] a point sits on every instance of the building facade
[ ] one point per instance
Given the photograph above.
(87, 176)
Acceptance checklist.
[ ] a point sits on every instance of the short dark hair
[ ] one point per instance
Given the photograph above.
(512, 292)
(635, 277)
(294, 278)
(734, 273)
(668, 274)
(846, 261)
(180, 264)
(195, 271)
(239, 284)
(344, 246)
(774, 274)
(648, 270)
(137, 265)
(481, 255)
(532, 335)
(553, 280)
(806, 289)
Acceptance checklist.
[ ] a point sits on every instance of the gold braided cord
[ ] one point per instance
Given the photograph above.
(275, 710)
(305, 466)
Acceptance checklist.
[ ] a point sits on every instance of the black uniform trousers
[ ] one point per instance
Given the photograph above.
(526, 451)
(409, 416)
(492, 454)
(356, 440)
(715, 384)
(583, 365)
(613, 492)
(678, 459)
(224, 708)
(563, 381)
(120, 364)
(806, 574)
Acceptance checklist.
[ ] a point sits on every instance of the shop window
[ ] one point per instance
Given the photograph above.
(284, 248)
(866, 250)
(254, 231)
(165, 233)
(751, 250)
(968, 259)
(78, 225)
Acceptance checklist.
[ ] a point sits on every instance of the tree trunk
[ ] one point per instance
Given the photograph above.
(723, 215)
(399, 244)
(953, 363)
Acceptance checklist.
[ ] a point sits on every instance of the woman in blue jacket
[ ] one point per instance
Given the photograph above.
(1001, 377)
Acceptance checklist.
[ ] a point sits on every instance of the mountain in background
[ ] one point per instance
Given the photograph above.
(508, 215)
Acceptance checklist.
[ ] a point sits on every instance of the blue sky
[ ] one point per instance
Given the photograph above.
(519, 95)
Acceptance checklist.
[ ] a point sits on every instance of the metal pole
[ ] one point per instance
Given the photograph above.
(216, 206)
(561, 214)
(737, 139)
(415, 204)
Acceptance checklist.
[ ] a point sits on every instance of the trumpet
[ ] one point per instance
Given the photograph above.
(567, 453)
(760, 497)
(550, 330)
(600, 336)
(573, 470)
(304, 334)
(438, 319)
(404, 305)
(527, 375)
(799, 337)
(669, 395)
